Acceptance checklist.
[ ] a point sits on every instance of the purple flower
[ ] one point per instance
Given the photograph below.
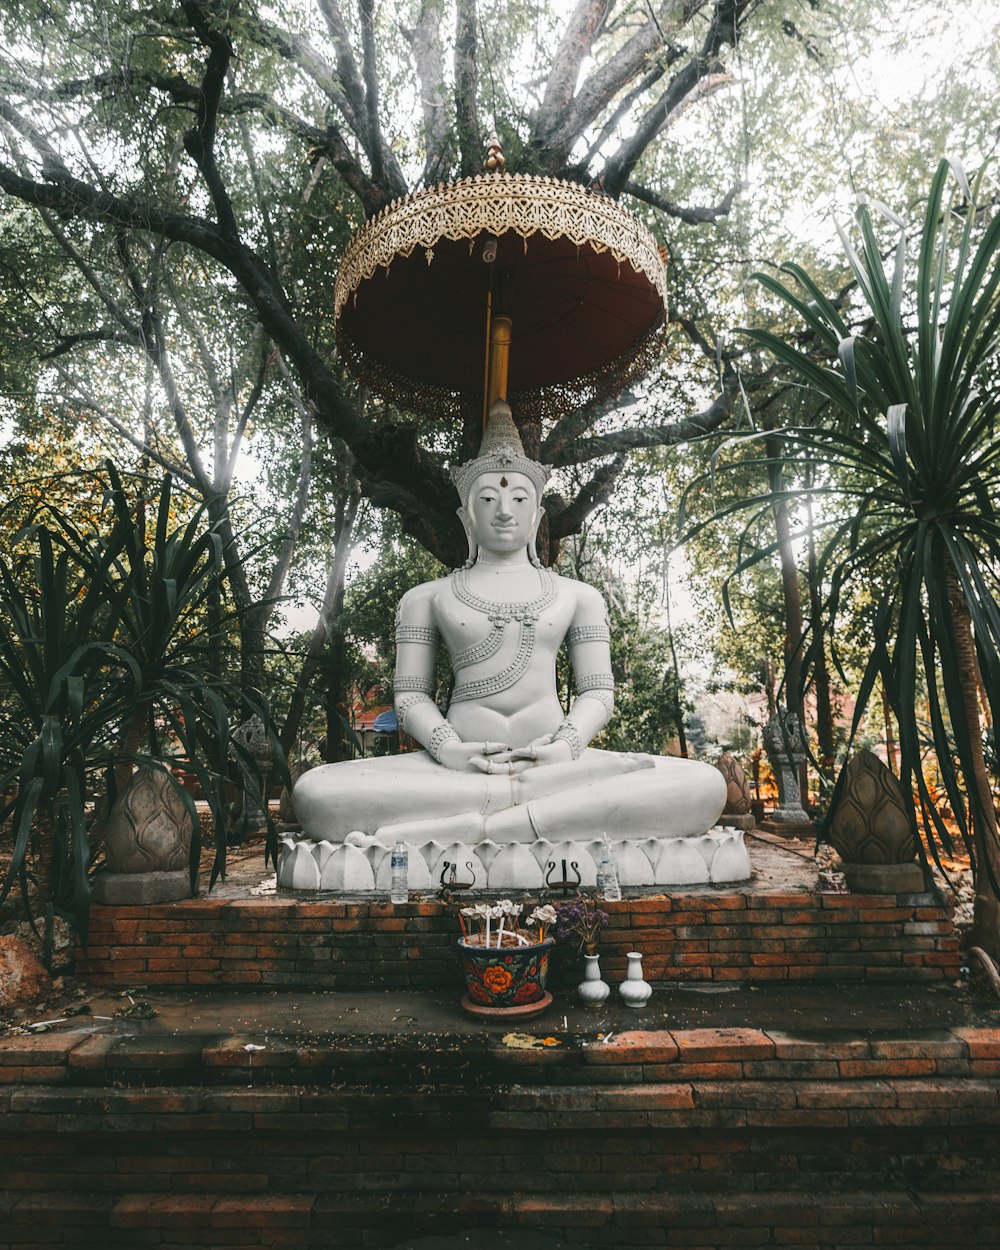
(581, 922)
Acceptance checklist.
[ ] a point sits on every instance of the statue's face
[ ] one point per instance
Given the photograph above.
(502, 512)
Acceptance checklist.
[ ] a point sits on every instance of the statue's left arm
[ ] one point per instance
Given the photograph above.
(589, 641)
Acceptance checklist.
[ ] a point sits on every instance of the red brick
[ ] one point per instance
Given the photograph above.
(635, 1046)
(722, 1045)
(38, 1048)
(918, 1048)
(886, 1067)
(789, 1046)
(693, 1071)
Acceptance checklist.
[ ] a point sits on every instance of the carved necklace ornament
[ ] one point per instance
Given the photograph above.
(525, 613)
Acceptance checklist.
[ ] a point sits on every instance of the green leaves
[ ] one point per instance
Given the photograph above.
(908, 437)
(104, 651)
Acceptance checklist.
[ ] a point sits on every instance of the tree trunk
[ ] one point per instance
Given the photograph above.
(891, 755)
(792, 603)
(986, 915)
(821, 669)
(336, 696)
(333, 600)
(682, 744)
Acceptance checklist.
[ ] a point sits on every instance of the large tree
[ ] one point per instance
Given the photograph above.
(249, 137)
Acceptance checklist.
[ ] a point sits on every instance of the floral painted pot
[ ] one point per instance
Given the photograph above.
(511, 977)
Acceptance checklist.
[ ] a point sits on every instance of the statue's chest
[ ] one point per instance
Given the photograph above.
(466, 617)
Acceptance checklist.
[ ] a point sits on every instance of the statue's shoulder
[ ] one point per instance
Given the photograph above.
(589, 600)
(418, 603)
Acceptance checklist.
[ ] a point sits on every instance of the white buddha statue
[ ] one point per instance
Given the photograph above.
(505, 763)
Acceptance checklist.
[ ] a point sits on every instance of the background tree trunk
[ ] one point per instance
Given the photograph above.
(986, 918)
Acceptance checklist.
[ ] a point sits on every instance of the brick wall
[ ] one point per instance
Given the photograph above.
(741, 936)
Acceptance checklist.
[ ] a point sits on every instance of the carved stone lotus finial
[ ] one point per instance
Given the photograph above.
(147, 843)
(871, 829)
(737, 789)
(149, 829)
(870, 825)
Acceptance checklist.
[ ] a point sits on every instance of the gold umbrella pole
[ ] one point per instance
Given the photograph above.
(500, 334)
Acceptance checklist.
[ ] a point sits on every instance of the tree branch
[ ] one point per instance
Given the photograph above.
(386, 172)
(596, 492)
(619, 167)
(726, 19)
(67, 342)
(428, 60)
(470, 145)
(376, 142)
(347, 69)
(199, 141)
(693, 215)
(294, 524)
(581, 29)
(141, 445)
(559, 133)
(298, 49)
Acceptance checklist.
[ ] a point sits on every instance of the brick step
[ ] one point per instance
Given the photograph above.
(902, 1102)
(83, 1057)
(873, 1219)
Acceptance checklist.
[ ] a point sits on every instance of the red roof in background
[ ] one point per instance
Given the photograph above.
(364, 718)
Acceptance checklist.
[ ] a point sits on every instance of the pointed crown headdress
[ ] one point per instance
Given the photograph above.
(501, 451)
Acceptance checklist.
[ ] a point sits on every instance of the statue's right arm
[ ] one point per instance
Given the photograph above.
(413, 686)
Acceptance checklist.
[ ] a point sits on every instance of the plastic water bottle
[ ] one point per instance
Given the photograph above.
(607, 874)
(399, 885)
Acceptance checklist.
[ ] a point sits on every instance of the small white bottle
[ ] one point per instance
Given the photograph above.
(607, 874)
(399, 883)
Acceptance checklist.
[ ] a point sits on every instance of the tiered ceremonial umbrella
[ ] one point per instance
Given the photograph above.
(531, 289)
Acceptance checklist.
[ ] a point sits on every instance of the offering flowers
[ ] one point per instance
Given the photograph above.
(541, 919)
(497, 926)
(581, 922)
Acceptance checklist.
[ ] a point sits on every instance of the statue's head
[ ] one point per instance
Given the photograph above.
(501, 490)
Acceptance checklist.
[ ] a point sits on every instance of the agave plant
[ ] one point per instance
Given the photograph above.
(103, 645)
(907, 435)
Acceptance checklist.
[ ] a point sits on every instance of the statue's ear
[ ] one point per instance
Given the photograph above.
(464, 517)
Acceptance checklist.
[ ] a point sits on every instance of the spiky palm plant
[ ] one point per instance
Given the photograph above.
(908, 433)
(103, 643)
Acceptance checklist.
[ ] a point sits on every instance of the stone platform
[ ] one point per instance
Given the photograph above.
(759, 1117)
(775, 927)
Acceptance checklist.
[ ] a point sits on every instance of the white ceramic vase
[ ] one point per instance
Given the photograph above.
(592, 991)
(634, 990)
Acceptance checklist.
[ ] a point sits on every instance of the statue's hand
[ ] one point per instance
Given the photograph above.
(542, 751)
(464, 757)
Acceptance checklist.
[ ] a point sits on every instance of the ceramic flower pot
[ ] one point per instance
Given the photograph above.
(509, 980)
(592, 991)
